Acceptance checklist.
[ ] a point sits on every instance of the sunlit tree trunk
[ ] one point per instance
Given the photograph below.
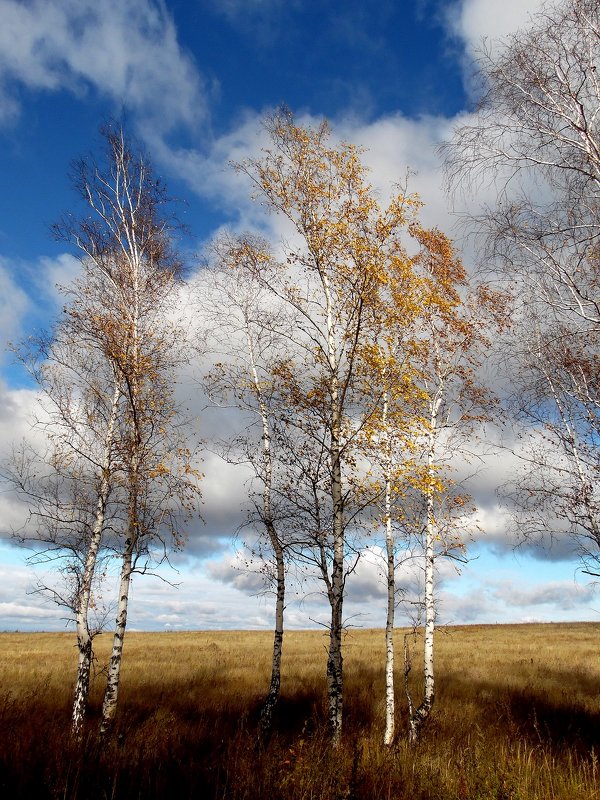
(388, 736)
(84, 635)
(111, 694)
(335, 674)
(135, 418)
(417, 716)
(267, 511)
(332, 280)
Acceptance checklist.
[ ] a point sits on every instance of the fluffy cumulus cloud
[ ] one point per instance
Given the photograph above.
(28, 292)
(126, 50)
(397, 152)
(476, 21)
(394, 146)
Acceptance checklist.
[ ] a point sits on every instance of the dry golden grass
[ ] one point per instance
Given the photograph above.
(517, 717)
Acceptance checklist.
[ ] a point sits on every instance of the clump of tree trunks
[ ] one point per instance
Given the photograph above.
(351, 350)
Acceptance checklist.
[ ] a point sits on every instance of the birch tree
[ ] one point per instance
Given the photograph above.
(536, 137)
(246, 343)
(68, 483)
(555, 402)
(423, 363)
(390, 435)
(330, 277)
(130, 276)
(458, 322)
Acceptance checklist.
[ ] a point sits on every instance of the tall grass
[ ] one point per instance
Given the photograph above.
(517, 717)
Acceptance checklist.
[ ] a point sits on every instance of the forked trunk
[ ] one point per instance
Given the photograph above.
(84, 636)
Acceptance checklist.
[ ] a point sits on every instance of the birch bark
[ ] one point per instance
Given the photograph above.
(274, 539)
(418, 715)
(128, 205)
(335, 661)
(111, 694)
(388, 736)
(84, 636)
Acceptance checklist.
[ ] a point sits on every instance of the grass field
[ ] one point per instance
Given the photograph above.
(517, 717)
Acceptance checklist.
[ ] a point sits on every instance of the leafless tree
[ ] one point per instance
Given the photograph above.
(536, 137)
(556, 406)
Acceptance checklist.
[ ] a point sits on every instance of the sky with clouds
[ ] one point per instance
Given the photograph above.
(192, 80)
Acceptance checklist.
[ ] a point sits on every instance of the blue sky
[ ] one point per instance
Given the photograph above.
(191, 79)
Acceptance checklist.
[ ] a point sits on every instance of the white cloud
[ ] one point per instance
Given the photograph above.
(395, 147)
(476, 20)
(128, 51)
(124, 49)
(27, 301)
(54, 274)
(566, 595)
(17, 407)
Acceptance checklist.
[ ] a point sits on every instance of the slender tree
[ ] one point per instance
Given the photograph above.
(247, 345)
(331, 276)
(69, 484)
(389, 437)
(130, 282)
(457, 321)
(556, 407)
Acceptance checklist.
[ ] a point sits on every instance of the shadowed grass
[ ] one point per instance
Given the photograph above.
(517, 717)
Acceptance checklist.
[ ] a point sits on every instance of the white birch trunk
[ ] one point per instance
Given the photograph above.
(275, 683)
(388, 736)
(335, 681)
(428, 673)
(111, 694)
(84, 638)
(417, 716)
(133, 257)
